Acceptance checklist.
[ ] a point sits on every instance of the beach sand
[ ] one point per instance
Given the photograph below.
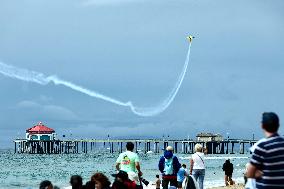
(236, 186)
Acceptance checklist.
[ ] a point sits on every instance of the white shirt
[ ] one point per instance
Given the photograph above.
(197, 162)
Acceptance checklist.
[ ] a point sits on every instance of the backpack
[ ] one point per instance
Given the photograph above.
(168, 167)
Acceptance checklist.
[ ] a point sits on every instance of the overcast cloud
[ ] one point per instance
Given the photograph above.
(135, 51)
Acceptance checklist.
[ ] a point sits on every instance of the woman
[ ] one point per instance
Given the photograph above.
(197, 165)
(101, 181)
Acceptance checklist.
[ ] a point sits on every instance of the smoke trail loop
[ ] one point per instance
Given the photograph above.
(40, 78)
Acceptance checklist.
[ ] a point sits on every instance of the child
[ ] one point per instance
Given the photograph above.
(181, 175)
(158, 182)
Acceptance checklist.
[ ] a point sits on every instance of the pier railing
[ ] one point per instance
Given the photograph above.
(240, 146)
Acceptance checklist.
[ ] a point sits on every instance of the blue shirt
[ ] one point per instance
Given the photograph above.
(268, 157)
(181, 174)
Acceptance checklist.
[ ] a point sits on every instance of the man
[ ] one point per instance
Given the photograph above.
(169, 167)
(267, 161)
(128, 161)
(228, 168)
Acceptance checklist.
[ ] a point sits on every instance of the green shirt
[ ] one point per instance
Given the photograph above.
(127, 161)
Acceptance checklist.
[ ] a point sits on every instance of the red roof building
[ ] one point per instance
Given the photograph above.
(40, 132)
(40, 129)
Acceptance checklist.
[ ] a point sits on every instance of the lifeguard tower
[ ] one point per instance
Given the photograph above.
(40, 132)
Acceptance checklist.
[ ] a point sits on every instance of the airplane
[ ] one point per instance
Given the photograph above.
(190, 37)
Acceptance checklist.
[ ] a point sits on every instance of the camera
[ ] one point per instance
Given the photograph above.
(146, 182)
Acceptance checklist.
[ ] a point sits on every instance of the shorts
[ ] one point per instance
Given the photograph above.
(179, 184)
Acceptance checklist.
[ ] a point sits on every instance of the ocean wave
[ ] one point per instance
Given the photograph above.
(218, 157)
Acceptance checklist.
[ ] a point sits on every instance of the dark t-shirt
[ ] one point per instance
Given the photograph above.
(228, 168)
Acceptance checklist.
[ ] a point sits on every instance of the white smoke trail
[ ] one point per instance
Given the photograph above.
(150, 111)
(40, 78)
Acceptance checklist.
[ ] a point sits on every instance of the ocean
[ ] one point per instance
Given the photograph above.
(26, 171)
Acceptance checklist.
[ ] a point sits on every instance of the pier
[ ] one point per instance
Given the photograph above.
(232, 146)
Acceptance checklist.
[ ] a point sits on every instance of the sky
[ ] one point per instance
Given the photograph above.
(135, 51)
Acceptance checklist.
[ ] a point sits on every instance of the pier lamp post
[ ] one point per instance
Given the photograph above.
(228, 136)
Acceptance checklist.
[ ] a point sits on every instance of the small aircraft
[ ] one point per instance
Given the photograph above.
(190, 37)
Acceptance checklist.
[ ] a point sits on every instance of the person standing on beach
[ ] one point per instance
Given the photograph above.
(197, 165)
(181, 175)
(267, 161)
(157, 182)
(128, 161)
(169, 167)
(228, 168)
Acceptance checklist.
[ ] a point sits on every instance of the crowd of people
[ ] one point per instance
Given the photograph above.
(130, 176)
(265, 169)
(98, 181)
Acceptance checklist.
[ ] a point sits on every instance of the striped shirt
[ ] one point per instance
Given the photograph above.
(268, 157)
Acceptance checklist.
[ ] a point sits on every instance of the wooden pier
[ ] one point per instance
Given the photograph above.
(231, 146)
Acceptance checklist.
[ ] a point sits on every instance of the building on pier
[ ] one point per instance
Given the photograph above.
(40, 132)
(209, 137)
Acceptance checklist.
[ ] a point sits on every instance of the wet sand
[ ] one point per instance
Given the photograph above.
(236, 186)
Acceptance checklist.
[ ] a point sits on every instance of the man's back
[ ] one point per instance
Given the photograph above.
(127, 161)
(169, 164)
(268, 157)
(228, 168)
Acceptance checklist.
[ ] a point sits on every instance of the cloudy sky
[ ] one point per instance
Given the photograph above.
(135, 51)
